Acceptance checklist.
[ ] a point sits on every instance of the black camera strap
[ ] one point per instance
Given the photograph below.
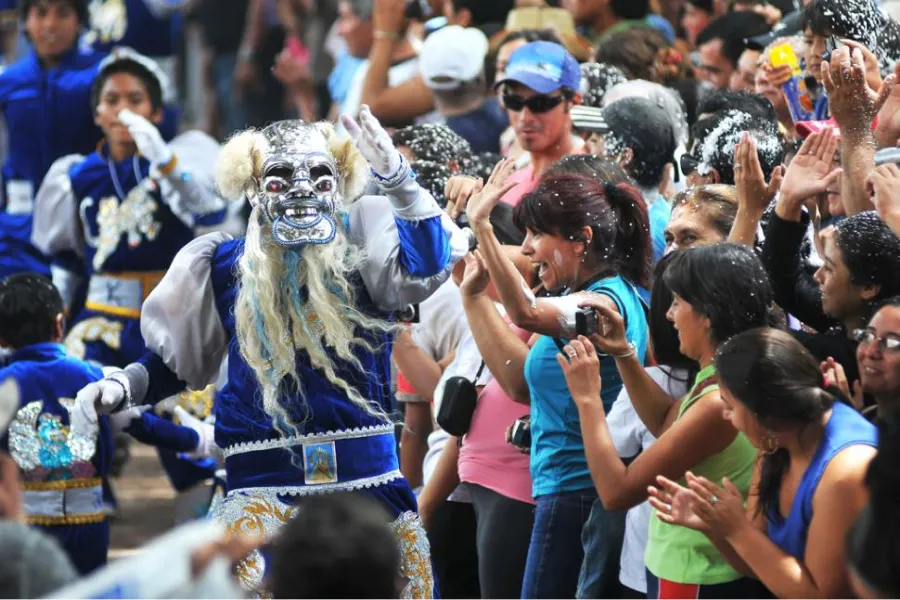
(478, 374)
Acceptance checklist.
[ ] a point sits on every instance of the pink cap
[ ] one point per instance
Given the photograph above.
(805, 128)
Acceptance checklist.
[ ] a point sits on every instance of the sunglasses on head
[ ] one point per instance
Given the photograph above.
(536, 104)
(689, 163)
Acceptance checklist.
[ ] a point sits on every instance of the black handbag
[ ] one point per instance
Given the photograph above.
(458, 404)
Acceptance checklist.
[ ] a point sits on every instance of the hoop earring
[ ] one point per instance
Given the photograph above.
(770, 443)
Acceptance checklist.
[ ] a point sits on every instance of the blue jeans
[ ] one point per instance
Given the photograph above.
(602, 539)
(555, 553)
(231, 110)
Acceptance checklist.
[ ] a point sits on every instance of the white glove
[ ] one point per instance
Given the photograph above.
(374, 143)
(205, 434)
(102, 396)
(121, 420)
(147, 137)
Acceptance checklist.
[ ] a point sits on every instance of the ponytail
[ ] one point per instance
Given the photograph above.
(563, 204)
(632, 250)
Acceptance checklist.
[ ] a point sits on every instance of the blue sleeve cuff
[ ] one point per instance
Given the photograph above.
(424, 246)
(162, 381)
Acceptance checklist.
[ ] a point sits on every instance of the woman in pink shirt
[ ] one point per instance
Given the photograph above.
(497, 477)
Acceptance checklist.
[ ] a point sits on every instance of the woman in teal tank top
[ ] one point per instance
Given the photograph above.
(809, 488)
(718, 291)
(588, 240)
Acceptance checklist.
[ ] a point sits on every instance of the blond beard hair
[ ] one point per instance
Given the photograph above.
(273, 321)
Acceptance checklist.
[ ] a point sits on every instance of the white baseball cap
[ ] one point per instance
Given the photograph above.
(452, 56)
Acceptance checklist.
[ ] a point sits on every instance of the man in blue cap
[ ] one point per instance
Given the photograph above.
(538, 91)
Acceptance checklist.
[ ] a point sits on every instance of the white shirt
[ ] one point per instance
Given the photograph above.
(631, 436)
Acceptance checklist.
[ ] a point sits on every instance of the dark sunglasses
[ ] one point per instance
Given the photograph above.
(689, 163)
(536, 104)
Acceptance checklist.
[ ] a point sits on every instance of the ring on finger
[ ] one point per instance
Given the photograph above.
(714, 500)
(572, 354)
(737, 165)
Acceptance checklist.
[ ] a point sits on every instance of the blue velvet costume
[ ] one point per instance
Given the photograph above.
(334, 445)
(61, 472)
(48, 115)
(126, 245)
(133, 24)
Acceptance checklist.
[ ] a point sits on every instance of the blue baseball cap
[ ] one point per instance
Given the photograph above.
(544, 67)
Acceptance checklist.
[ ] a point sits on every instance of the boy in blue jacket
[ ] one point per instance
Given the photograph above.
(62, 473)
(45, 101)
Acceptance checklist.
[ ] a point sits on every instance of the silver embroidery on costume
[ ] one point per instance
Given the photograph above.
(415, 556)
(132, 218)
(45, 449)
(261, 513)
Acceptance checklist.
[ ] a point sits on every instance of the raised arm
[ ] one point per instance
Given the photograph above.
(655, 407)
(754, 194)
(554, 317)
(400, 104)
(184, 169)
(504, 353)
(700, 433)
(410, 244)
(853, 105)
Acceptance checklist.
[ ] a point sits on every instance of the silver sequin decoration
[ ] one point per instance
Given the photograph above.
(47, 450)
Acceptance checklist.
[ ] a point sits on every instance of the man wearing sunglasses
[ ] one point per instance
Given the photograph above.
(538, 91)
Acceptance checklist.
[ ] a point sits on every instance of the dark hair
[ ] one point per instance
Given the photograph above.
(871, 252)
(892, 302)
(663, 335)
(716, 136)
(528, 35)
(733, 29)
(79, 6)
(590, 165)
(724, 282)
(872, 548)
(756, 106)
(630, 9)
(562, 205)
(718, 203)
(779, 381)
(337, 546)
(435, 148)
(484, 13)
(136, 70)
(29, 306)
(638, 52)
(858, 20)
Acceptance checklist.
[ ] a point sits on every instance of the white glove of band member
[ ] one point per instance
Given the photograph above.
(102, 397)
(206, 445)
(147, 137)
(374, 143)
(121, 420)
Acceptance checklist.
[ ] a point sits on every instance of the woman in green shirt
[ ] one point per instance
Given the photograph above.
(719, 291)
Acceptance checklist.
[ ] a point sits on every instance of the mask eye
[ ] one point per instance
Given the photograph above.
(275, 186)
(324, 185)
